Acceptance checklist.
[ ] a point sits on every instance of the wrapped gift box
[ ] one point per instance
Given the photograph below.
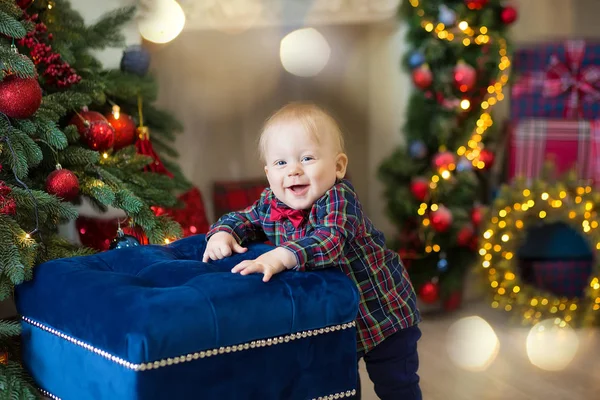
(567, 143)
(557, 80)
(557, 259)
(154, 322)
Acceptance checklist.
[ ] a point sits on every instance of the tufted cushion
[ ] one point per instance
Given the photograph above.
(130, 313)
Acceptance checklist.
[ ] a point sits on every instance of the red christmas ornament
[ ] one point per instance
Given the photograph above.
(83, 120)
(100, 136)
(441, 219)
(419, 187)
(144, 146)
(429, 293)
(443, 160)
(464, 238)
(20, 97)
(477, 215)
(422, 76)
(476, 4)
(63, 184)
(465, 76)
(487, 157)
(508, 15)
(124, 127)
(453, 301)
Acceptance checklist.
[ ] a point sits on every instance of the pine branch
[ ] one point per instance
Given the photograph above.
(9, 328)
(106, 32)
(9, 26)
(15, 384)
(78, 156)
(18, 64)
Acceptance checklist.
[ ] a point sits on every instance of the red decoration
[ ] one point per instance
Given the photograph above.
(124, 127)
(464, 238)
(441, 219)
(465, 76)
(443, 160)
(477, 215)
(20, 97)
(453, 301)
(508, 15)
(429, 293)
(94, 130)
(63, 184)
(422, 76)
(24, 3)
(419, 187)
(57, 72)
(487, 157)
(7, 205)
(84, 119)
(569, 77)
(144, 146)
(476, 4)
(100, 136)
(192, 217)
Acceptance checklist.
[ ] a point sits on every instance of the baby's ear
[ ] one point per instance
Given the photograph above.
(341, 163)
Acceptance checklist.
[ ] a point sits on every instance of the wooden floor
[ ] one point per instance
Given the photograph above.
(511, 376)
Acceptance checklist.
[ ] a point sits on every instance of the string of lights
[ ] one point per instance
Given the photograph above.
(469, 36)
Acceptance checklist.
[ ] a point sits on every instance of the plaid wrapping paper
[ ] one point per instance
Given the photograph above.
(595, 133)
(566, 143)
(568, 278)
(557, 80)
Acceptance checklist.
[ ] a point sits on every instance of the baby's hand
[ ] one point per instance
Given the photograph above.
(268, 264)
(221, 245)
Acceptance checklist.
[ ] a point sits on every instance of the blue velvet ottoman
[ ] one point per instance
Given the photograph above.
(154, 322)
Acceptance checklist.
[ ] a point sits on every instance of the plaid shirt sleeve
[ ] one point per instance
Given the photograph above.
(339, 217)
(244, 225)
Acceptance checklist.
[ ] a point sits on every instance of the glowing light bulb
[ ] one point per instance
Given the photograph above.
(472, 344)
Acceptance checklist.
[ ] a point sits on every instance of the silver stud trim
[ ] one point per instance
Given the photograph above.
(191, 356)
(340, 395)
(48, 394)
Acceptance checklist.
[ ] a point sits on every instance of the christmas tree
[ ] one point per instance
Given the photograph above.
(436, 183)
(67, 131)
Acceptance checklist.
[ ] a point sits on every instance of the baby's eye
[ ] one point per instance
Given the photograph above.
(307, 158)
(280, 163)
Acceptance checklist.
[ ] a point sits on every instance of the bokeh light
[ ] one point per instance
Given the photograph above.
(304, 52)
(162, 22)
(472, 344)
(552, 344)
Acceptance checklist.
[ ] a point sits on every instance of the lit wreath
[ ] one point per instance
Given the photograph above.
(520, 206)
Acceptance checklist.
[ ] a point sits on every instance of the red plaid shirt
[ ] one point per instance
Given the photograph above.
(336, 233)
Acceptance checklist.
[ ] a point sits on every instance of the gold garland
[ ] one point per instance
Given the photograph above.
(517, 207)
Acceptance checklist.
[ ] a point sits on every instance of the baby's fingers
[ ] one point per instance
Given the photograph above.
(241, 266)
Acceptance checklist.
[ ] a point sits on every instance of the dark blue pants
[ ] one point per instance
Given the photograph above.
(392, 366)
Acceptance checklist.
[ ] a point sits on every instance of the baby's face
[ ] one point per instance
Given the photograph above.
(299, 169)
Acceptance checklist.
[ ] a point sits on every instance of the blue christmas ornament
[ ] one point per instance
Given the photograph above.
(442, 265)
(416, 59)
(123, 241)
(446, 16)
(135, 60)
(464, 165)
(417, 149)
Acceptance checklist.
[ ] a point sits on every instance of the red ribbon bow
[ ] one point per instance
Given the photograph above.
(279, 213)
(582, 84)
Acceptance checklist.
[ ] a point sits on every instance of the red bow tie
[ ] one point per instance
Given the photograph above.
(279, 213)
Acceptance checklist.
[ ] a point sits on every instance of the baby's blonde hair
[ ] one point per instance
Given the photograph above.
(313, 118)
